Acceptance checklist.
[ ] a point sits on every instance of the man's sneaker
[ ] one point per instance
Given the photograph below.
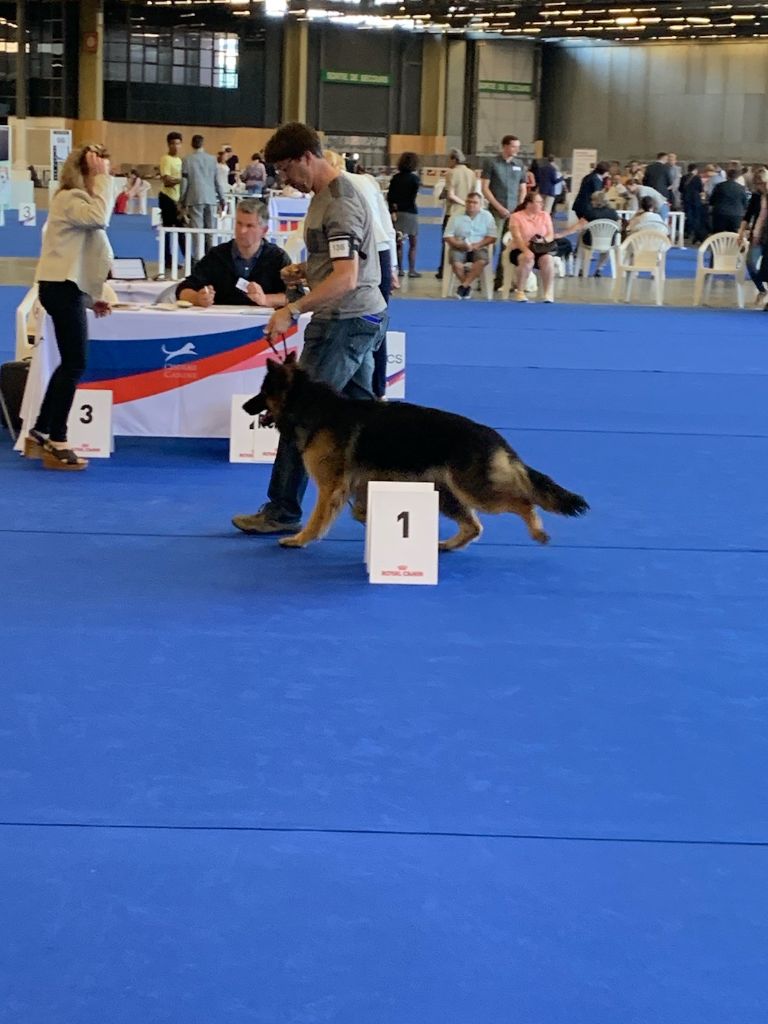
(264, 522)
(463, 291)
(520, 296)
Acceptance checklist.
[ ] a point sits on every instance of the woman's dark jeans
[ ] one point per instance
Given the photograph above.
(65, 304)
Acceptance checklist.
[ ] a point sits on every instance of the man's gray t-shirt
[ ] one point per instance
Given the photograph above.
(338, 224)
(503, 177)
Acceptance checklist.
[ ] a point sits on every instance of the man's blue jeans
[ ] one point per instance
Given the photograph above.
(339, 353)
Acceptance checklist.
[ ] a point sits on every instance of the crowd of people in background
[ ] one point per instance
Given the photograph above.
(714, 197)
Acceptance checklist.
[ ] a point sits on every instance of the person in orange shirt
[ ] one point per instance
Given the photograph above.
(531, 224)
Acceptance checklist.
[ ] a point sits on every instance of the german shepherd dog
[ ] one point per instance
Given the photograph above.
(345, 443)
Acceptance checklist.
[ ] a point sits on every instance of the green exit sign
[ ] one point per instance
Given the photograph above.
(354, 78)
(505, 88)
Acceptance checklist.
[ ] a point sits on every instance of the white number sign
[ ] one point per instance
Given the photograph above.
(402, 532)
(89, 428)
(248, 440)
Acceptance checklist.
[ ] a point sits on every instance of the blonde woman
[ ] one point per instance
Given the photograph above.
(73, 267)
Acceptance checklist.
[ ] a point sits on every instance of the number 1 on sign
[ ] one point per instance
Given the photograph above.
(404, 519)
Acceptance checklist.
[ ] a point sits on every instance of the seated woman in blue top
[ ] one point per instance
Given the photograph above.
(647, 218)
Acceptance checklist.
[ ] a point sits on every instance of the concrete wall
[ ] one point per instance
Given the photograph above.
(703, 101)
(506, 114)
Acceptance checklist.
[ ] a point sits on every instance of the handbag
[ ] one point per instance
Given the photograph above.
(541, 247)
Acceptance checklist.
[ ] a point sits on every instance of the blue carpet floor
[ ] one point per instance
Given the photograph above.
(241, 785)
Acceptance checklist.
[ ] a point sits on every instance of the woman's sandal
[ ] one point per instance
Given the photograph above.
(62, 458)
(34, 445)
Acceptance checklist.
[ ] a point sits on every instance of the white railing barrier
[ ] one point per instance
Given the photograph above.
(194, 245)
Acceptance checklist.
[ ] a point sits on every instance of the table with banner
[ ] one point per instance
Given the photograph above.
(172, 373)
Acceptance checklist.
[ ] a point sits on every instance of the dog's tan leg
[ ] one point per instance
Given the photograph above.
(532, 520)
(325, 464)
(469, 525)
(359, 508)
(330, 501)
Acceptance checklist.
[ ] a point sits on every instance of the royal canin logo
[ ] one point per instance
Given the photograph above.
(402, 570)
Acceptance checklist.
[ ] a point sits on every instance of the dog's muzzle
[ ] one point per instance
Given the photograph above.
(255, 405)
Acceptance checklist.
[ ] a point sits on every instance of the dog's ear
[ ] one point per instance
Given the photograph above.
(290, 358)
(271, 363)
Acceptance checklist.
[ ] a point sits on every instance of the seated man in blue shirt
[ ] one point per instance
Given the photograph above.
(471, 237)
(243, 272)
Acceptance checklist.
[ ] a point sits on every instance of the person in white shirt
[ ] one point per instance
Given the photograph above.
(471, 236)
(73, 268)
(638, 192)
(384, 236)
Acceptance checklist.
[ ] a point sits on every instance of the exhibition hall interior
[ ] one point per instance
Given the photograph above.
(471, 730)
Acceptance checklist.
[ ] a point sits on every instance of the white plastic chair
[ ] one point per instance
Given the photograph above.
(728, 260)
(293, 243)
(605, 236)
(509, 270)
(450, 281)
(643, 252)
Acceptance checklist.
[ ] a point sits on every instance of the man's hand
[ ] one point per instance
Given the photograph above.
(294, 274)
(256, 294)
(101, 308)
(279, 323)
(206, 296)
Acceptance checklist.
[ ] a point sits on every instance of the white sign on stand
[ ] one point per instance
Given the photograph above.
(248, 440)
(28, 215)
(395, 364)
(61, 147)
(582, 162)
(401, 534)
(89, 427)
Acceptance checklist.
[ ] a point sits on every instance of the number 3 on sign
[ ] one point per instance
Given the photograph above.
(401, 532)
(90, 424)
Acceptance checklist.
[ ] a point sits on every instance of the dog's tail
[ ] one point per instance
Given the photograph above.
(554, 498)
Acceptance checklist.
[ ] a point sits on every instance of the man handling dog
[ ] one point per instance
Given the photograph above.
(349, 319)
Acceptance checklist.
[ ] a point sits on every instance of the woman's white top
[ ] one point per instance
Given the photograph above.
(383, 228)
(222, 173)
(75, 243)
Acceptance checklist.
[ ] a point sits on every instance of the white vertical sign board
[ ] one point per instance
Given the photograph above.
(395, 364)
(89, 427)
(61, 147)
(248, 441)
(157, 217)
(28, 215)
(582, 162)
(402, 532)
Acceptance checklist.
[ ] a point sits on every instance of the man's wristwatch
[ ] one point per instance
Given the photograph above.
(294, 310)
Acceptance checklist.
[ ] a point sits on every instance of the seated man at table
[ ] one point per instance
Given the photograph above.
(471, 236)
(243, 272)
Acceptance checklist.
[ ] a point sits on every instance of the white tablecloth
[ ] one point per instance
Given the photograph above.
(172, 374)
